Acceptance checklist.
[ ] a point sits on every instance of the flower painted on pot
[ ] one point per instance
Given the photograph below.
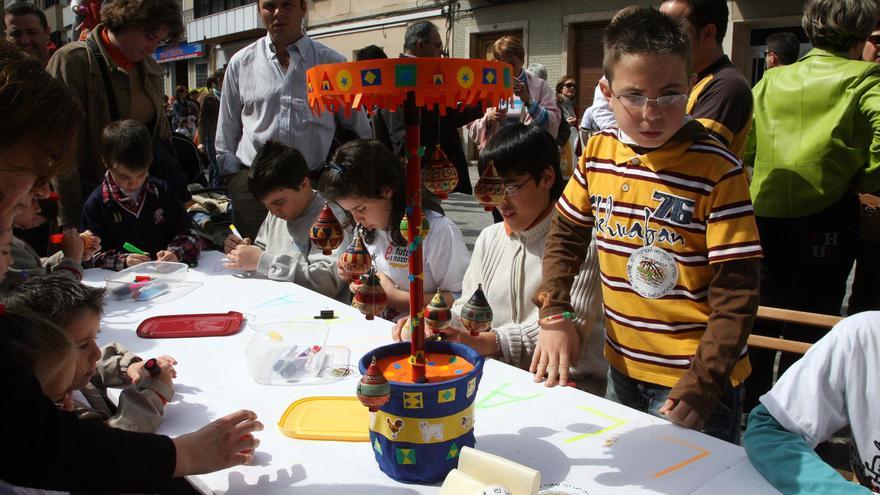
(356, 260)
(489, 190)
(440, 176)
(373, 390)
(437, 314)
(476, 314)
(370, 298)
(326, 232)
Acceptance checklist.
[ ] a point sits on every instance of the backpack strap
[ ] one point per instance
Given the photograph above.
(92, 47)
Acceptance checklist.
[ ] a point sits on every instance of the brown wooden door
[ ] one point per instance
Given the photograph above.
(481, 43)
(589, 61)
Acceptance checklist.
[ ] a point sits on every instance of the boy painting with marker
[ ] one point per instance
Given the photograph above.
(283, 250)
(676, 236)
(132, 207)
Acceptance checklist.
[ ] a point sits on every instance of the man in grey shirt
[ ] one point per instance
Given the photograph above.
(264, 97)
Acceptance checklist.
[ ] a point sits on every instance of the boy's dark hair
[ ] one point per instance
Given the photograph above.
(420, 31)
(26, 8)
(625, 35)
(705, 12)
(369, 52)
(128, 143)
(362, 168)
(149, 15)
(37, 108)
(785, 45)
(60, 299)
(276, 166)
(524, 149)
(34, 342)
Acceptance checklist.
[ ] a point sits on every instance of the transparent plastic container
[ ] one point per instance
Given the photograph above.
(295, 353)
(146, 281)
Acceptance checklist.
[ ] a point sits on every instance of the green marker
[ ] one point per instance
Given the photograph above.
(131, 248)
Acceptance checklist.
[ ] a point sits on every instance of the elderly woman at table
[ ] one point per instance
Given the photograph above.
(817, 143)
(46, 447)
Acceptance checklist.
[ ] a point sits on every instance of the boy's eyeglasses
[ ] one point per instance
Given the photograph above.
(511, 190)
(639, 101)
(570, 85)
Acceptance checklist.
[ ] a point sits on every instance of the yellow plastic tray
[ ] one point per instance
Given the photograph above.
(342, 419)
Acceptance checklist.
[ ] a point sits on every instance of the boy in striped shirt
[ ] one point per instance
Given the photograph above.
(678, 247)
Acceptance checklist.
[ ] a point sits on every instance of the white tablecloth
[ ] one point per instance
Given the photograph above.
(585, 442)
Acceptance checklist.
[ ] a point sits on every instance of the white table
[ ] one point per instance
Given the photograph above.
(570, 436)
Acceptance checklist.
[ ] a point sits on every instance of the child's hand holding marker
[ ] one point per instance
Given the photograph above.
(233, 240)
(137, 255)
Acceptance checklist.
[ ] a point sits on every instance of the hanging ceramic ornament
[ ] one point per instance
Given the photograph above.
(370, 298)
(423, 232)
(476, 314)
(489, 190)
(326, 232)
(437, 314)
(439, 175)
(355, 261)
(373, 390)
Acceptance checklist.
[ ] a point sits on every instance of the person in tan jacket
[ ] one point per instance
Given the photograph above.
(118, 55)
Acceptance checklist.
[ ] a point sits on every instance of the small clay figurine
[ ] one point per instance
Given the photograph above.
(489, 190)
(438, 315)
(370, 298)
(326, 232)
(439, 175)
(373, 390)
(476, 314)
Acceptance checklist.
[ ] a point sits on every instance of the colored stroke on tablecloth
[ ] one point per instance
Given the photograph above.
(702, 453)
(616, 423)
(486, 403)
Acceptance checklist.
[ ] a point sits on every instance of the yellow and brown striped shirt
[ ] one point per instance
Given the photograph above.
(722, 101)
(689, 198)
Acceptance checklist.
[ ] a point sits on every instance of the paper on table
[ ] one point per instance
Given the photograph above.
(480, 469)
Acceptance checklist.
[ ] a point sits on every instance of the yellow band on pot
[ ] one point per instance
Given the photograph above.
(423, 430)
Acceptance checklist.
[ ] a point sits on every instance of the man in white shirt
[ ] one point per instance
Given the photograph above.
(264, 97)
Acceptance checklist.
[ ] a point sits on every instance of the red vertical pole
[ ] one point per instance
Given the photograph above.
(412, 120)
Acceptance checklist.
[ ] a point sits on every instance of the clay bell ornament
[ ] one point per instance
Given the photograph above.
(356, 260)
(404, 227)
(439, 175)
(373, 390)
(370, 298)
(326, 232)
(476, 314)
(438, 315)
(489, 190)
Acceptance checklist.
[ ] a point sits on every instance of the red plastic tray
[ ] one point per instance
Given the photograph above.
(203, 325)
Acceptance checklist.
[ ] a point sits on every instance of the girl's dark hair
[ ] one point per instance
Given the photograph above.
(524, 149)
(362, 168)
(149, 15)
(34, 341)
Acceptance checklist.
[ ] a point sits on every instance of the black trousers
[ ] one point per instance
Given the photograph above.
(806, 263)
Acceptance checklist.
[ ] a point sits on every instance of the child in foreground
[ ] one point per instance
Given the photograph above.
(131, 206)
(834, 385)
(369, 182)
(77, 309)
(678, 246)
(283, 250)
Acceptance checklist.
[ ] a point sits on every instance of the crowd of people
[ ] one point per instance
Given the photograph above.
(693, 198)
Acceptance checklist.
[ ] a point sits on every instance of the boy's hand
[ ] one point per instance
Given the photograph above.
(91, 244)
(136, 370)
(166, 255)
(557, 348)
(682, 414)
(72, 245)
(572, 121)
(135, 259)
(232, 241)
(244, 257)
